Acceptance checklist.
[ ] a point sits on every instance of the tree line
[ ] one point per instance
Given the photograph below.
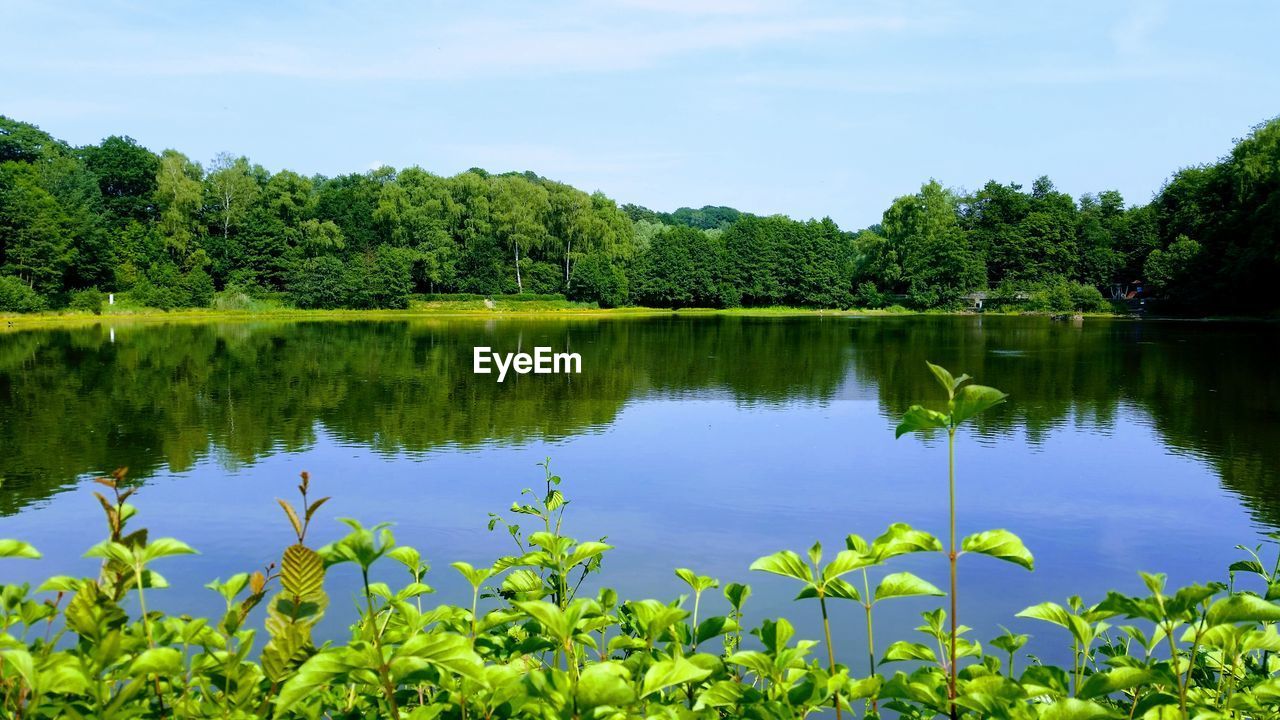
(117, 217)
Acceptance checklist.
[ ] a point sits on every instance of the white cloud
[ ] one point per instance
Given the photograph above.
(331, 44)
(932, 80)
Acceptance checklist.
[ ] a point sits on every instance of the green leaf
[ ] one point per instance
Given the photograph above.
(445, 651)
(1000, 544)
(725, 694)
(945, 379)
(21, 662)
(1252, 566)
(1190, 597)
(712, 627)
(293, 516)
(1242, 608)
(1010, 642)
(864, 688)
(318, 671)
(161, 661)
(846, 561)
(108, 550)
(841, 589)
(1073, 709)
(407, 556)
(165, 547)
(901, 539)
(737, 594)
(1266, 639)
(586, 551)
(921, 418)
(697, 582)
(548, 615)
(754, 661)
(785, 563)
(1050, 612)
(18, 549)
(523, 582)
(1101, 684)
(974, 399)
(904, 650)
(904, 584)
(675, 671)
(302, 571)
(475, 576)
(605, 684)
(60, 583)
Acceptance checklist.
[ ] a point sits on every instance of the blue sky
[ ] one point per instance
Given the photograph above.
(808, 109)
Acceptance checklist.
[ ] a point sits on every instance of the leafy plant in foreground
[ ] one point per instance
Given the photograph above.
(964, 402)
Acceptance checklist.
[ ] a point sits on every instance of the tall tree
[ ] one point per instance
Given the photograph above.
(126, 174)
(938, 263)
(519, 207)
(178, 193)
(232, 190)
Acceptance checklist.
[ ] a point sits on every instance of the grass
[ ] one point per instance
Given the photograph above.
(242, 307)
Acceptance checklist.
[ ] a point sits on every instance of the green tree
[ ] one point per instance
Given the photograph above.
(1174, 270)
(35, 231)
(938, 263)
(179, 194)
(126, 174)
(519, 209)
(231, 190)
(683, 267)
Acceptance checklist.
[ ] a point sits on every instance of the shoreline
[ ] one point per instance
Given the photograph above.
(428, 311)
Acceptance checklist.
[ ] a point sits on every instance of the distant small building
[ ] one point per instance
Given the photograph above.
(976, 300)
(1128, 291)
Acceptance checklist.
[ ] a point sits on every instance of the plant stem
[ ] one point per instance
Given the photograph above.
(831, 653)
(951, 556)
(475, 597)
(383, 675)
(146, 626)
(1173, 658)
(871, 638)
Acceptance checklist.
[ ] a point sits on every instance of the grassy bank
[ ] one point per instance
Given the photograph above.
(438, 307)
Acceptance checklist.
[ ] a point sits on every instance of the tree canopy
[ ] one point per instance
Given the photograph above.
(172, 232)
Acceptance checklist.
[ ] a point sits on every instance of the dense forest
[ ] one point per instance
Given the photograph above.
(168, 232)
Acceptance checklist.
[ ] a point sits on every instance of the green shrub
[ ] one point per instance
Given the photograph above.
(1087, 298)
(869, 297)
(542, 277)
(233, 297)
(90, 300)
(18, 297)
(197, 289)
(1058, 296)
(317, 283)
(145, 293)
(595, 279)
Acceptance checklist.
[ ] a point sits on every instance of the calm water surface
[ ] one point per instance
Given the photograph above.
(688, 441)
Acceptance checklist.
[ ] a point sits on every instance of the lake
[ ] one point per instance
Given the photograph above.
(687, 441)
